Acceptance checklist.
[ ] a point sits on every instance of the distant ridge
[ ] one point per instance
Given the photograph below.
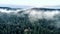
(15, 6)
(9, 8)
(45, 9)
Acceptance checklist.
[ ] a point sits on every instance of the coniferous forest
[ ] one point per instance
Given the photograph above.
(13, 24)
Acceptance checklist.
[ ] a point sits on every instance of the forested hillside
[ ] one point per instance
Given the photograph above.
(31, 21)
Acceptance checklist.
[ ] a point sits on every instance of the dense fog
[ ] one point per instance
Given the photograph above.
(33, 20)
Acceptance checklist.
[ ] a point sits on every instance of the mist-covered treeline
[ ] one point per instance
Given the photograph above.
(30, 22)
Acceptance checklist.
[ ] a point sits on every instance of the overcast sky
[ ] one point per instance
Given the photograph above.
(37, 3)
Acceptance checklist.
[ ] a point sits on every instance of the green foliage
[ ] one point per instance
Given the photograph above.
(12, 24)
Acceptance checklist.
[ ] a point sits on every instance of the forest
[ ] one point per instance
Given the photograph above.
(13, 24)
